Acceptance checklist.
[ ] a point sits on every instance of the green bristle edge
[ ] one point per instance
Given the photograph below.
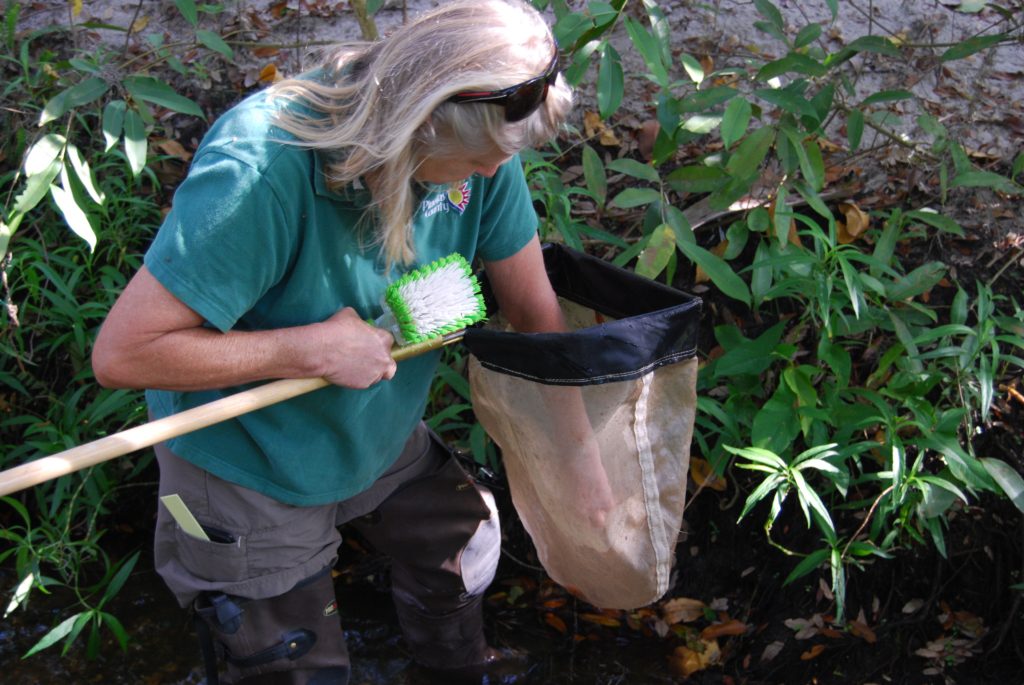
(403, 315)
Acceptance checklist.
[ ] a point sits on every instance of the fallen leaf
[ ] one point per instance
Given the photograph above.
(139, 25)
(862, 631)
(270, 74)
(856, 222)
(704, 476)
(682, 610)
(772, 650)
(266, 51)
(555, 622)
(174, 149)
(812, 652)
(726, 628)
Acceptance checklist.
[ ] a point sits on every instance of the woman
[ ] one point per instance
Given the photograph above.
(301, 205)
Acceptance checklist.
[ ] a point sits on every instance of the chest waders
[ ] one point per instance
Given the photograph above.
(291, 639)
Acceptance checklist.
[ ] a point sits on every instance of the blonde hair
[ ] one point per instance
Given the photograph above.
(380, 108)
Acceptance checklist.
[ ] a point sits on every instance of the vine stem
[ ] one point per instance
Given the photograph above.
(867, 519)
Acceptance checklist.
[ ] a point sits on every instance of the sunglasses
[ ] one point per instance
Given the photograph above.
(519, 101)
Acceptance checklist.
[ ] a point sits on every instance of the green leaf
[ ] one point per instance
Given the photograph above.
(636, 197)
(697, 179)
(701, 124)
(1008, 479)
(135, 144)
(118, 581)
(887, 96)
(693, 68)
(703, 100)
(113, 122)
(920, 280)
(719, 271)
(735, 120)
(631, 167)
(43, 153)
(854, 128)
(73, 215)
(54, 635)
(986, 179)
(971, 46)
(116, 628)
(188, 10)
(783, 219)
(36, 187)
(769, 11)
(213, 41)
(1018, 166)
(936, 220)
(661, 245)
(593, 173)
(159, 93)
(83, 93)
(807, 35)
(610, 82)
(648, 47)
(793, 62)
(84, 174)
(811, 562)
(751, 152)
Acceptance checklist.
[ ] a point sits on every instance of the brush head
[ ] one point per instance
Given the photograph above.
(433, 300)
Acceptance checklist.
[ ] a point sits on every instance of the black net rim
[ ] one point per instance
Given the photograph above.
(654, 326)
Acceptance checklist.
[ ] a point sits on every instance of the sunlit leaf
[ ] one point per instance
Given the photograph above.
(84, 174)
(693, 68)
(631, 167)
(113, 122)
(1008, 479)
(54, 635)
(135, 143)
(83, 93)
(76, 219)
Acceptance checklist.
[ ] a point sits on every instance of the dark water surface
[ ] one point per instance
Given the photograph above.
(163, 648)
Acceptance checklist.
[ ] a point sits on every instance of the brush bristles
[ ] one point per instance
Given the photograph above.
(436, 299)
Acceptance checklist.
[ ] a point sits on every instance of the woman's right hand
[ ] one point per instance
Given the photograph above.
(353, 353)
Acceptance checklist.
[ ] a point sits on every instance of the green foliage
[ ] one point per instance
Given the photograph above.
(792, 399)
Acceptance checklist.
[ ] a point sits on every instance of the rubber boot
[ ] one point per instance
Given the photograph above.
(291, 639)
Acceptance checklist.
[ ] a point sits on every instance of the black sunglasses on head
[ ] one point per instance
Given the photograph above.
(519, 101)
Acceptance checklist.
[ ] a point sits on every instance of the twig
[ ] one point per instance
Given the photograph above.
(871, 512)
(128, 33)
(1004, 267)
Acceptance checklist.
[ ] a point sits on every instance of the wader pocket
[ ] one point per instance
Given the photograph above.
(214, 560)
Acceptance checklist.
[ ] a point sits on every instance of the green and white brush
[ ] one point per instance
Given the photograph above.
(433, 300)
(427, 308)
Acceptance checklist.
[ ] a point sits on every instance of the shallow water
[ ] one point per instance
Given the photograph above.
(163, 649)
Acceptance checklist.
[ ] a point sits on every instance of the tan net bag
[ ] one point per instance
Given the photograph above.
(594, 426)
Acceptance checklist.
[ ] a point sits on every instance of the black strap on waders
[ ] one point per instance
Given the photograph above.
(207, 649)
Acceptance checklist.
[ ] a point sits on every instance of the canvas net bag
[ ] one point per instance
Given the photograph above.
(594, 426)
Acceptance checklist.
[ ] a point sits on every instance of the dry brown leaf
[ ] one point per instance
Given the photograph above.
(857, 222)
(707, 63)
(76, 7)
(685, 661)
(174, 149)
(704, 476)
(682, 610)
(812, 652)
(726, 628)
(594, 127)
(270, 74)
(861, 630)
(266, 51)
(555, 622)
(139, 25)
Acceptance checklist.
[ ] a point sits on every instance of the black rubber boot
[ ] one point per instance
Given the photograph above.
(291, 639)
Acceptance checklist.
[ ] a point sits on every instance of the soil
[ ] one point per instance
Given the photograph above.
(918, 618)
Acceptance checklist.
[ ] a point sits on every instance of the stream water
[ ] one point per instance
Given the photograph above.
(163, 649)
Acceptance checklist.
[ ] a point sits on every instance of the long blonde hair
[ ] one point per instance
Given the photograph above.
(379, 108)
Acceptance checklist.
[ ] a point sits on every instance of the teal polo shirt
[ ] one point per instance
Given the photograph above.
(256, 241)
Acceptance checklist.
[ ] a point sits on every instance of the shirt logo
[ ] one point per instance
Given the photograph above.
(456, 198)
